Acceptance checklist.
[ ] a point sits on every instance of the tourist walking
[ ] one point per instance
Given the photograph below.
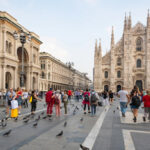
(93, 102)
(25, 98)
(111, 97)
(57, 102)
(49, 101)
(124, 100)
(105, 98)
(69, 95)
(146, 101)
(65, 100)
(9, 97)
(135, 104)
(34, 102)
(86, 100)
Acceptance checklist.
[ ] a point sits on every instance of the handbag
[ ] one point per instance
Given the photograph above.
(30, 100)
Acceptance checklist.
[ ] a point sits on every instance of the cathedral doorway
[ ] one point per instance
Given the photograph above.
(118, 88)
(106, 88)
(139, 84)
(8, 80)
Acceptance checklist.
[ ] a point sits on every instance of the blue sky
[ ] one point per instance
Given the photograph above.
(68, 28)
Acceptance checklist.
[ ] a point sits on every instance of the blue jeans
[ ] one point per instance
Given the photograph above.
(93, 109)
(123, 106)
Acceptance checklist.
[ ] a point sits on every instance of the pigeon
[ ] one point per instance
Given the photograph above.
(7, 133)
(35, 124)
(4, 125)
(26, 121)
(83, 147)
(81, 119)
(65, 124)
(77, 108)
(16, 119)
(24, 118)
(44, 117)
(59, 134)
(114, 111)
(118, 108)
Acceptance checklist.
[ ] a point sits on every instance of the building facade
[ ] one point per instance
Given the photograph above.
(128, 61)
(42, 70)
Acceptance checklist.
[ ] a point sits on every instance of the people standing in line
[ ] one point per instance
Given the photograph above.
(57, 102)
(105, 98)
(111, 97)
(9, 97)
(86, 100)
(65, 101)
(124, 100)
(34, 102)
(25, 98)
(69, 95)
(146, 101)
(93, 102)
(135, 103)
(49, 101)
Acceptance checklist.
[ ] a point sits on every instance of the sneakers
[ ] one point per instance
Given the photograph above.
(134, 119)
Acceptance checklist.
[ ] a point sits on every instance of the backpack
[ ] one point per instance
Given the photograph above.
(136, 101)
(93, 98)
(56, 100)
(86, 97)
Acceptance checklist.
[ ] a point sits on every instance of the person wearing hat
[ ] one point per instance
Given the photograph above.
(49, 99)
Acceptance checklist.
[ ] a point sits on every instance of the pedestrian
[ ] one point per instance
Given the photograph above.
(146, 101)
(93, 102)
(135, 104)
(105, 98)
(25, 98)
(86, 100)
(111, 97)
(124, 100)
(34, 102)
(57, 102)
(69, 95)
(19, 99)
(65, 100)
(49, 101)
(9, 97)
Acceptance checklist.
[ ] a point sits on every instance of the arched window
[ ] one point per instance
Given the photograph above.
(106, 74)
(34, 58)
(9, 48)
(119, 62)
(138, 63)
(118, 74)
(139, 43)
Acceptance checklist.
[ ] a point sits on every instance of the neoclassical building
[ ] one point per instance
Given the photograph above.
(42, 70)
(128, 61)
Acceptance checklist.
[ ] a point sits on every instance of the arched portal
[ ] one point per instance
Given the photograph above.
(8, 80)
(106, 88)
(118, 88)
(139, 83)
(19, 53)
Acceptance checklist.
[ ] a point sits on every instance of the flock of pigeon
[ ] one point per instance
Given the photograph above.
(35, 123)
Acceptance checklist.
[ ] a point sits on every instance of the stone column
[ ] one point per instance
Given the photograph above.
(3, 76)
(0, 78)
(4, 40)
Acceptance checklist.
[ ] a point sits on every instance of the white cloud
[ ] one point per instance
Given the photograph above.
(90, 1)
(4, 2)
(55, 48)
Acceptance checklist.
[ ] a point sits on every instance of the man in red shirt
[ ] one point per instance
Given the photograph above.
(50, 102)
(146, 100)
(69, 94)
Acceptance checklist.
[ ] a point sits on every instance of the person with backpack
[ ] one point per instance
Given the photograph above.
(49, 99)
(93, 101)
(57, 102)
(86, 101)
(135, 104)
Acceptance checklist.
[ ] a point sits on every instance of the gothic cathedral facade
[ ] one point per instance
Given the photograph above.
(128, 61)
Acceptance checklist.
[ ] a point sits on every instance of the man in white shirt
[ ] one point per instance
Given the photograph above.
(124, 99)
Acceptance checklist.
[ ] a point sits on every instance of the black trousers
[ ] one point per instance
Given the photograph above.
(33, 106)
(85, 107)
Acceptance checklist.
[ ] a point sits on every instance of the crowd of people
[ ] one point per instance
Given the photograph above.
(90, 99)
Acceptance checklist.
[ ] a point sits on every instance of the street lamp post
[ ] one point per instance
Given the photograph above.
(22, 38)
